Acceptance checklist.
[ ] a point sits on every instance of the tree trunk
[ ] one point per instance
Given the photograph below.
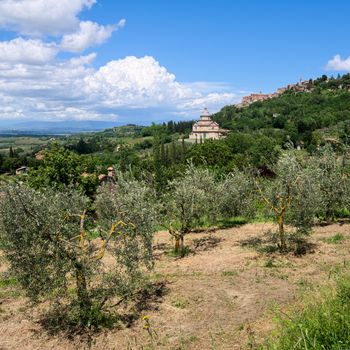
(182, 246)
(177, 244)
(82, 293)
(283, 244)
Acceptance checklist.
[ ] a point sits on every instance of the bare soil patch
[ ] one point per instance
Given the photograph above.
(216, 297)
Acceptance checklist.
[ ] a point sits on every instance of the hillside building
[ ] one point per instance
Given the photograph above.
(206, 129)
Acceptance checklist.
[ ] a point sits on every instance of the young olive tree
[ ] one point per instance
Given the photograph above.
(44, 238)
(235, 195)
(332, 183)
(190, 199)
(132, 203)
(292, 197)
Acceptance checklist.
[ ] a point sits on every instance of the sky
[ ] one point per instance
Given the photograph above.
(139, 61)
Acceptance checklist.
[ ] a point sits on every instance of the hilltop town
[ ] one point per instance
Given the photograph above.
(301, 86)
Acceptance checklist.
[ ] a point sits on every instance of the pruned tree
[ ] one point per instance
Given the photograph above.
(49, 249)
(292, 197)
(189, 199)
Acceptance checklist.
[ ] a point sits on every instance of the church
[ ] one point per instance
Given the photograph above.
(206, 129)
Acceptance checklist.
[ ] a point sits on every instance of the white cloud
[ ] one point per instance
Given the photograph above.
(27, 51)
(136, 83)
(212, 99)
(338, 64)
(89, 34)
(73, 89)
(42, 17)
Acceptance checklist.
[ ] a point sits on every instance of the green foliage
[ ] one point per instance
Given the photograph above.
(293, 197)
(188, 200)
(179, 253)
(59, 168)
(44, 239)
(237, 150)
(333, 182)
(324, 323)
(269, 263)
(133, 203)
(179, 302)
(229, 273)
(336, 239)
(294, 116)
(34, 228)
(235, 195)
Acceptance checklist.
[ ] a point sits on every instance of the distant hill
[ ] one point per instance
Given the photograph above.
(51, 127)
(301, 117)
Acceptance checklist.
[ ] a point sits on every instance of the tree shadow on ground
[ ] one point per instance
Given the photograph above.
(268, 244)
(205, 243)
(63, 320)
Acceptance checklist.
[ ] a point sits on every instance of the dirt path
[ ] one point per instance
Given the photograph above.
(215, 297)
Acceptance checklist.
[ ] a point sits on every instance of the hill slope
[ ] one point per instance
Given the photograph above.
(302, 117)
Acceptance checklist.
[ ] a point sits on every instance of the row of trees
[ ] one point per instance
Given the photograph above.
(300, 193)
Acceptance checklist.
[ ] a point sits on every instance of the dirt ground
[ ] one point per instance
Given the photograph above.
(219, 297)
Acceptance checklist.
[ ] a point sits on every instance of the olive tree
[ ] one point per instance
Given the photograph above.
(293, 197)
(45, 239)
(235, 195)
(190, 198)
(133, 203)
(332, 182)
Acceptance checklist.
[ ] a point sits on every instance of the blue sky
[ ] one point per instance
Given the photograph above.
(250, 44)
(150, 60)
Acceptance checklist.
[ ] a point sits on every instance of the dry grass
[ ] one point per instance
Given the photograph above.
(218, 298)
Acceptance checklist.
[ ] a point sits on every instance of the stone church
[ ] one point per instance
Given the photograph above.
(206, 129)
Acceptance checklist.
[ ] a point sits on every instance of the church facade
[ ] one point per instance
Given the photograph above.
(206, 129)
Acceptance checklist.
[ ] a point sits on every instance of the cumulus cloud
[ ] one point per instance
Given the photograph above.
(89, 34)
(135, 82)
(73, 89)
(42, 17)
(338, 64)
(36, 83)
(30, 51)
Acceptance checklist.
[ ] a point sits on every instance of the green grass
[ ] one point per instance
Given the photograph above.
(9, 287)
(180, 254)
(336, 239)
(229, 273)
(233, 222)
(179, 302)
(304, 285)
(323, 322)
(8, 282)
(269, 263)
